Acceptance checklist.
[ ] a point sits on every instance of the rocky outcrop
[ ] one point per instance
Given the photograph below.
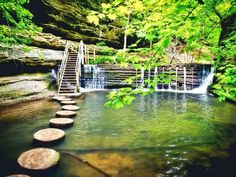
(68, 20)
(24, 87)
(15, 61)
(48, 41)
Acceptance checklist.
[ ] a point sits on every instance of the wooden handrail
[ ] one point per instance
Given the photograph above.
(63, 64)
(79, 61)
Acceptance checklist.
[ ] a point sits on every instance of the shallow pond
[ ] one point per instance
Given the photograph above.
(165, 134)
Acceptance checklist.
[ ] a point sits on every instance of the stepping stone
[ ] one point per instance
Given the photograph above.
(49, 135)
(65, 113)
(61, 122)
(70, 107)
(68, 102)
(38, 159)
(18, 175)
(64, 99)
(58, 97)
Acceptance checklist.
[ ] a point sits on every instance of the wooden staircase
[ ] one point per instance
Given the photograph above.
(68, 83)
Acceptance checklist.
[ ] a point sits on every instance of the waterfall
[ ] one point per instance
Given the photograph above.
(176, 78)
(169, 85)
(149, 76)
(186, 79)
(163, 72)
(185, 75)
(53, 74)
(142, 76)
(207, 78)
(97, 82)
(155, 75)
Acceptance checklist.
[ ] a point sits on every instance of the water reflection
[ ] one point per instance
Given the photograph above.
(158, 135)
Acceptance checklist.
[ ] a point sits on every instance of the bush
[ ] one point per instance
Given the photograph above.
(101, 59)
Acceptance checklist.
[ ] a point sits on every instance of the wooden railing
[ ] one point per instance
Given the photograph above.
(79, 61)
(63, 64)
(84, 54)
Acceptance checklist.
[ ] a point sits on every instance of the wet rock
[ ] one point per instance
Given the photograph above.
(68, 102)
(38, 159)
(70, 107)
(18, 175)
(57, 98)
(49, 135)
(61, 122)
(65, 113)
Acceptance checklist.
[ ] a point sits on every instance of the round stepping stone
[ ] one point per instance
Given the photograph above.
(68, 102)
(64, 99)
(65, 113)
(58, 97)
(18, 175)
(38, 159)
(49, 135)
(70, 107)
(61, 122)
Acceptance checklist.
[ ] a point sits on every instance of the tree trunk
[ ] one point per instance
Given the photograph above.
(125, 34)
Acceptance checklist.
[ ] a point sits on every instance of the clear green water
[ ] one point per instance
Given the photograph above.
(165, 134)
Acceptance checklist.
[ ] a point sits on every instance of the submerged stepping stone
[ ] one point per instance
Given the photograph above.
(65, 113)
(38, 159)
(49, 135)
(18, 175)
(61, 122)
(58, 97)
(70, 107)
(68, 102)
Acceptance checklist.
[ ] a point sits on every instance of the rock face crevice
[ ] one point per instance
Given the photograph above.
(68, 20)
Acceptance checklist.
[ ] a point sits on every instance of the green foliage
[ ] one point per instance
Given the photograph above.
(17, 26)
(102, 59)
(194, 25)
(225, 86)
(101, 44)
(107, 51)
(125, 96)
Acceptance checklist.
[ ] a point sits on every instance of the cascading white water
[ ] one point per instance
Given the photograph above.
(163, 72)
(98, 77)
(176, 78)
(185, 75)
(142, 76)
(185, 81)
(53, 74)
(206, 81)
(169, 85)
(155, 75)
(149, 76)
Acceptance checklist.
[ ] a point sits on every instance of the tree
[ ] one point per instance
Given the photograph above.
(200, 26)
(127, 13)
(16, 26)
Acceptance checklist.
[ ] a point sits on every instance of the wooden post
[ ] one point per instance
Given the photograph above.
(85, 53)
